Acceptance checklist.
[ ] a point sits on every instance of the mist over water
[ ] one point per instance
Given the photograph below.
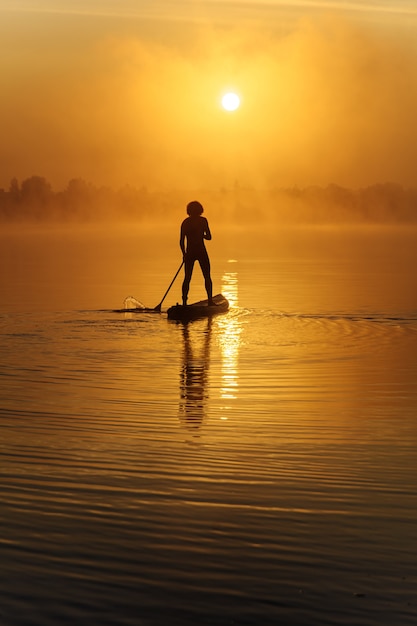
(96, 266)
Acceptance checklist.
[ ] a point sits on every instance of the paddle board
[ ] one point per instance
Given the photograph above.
(199, 309)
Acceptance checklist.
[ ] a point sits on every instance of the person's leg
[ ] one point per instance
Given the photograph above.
(205, 268)
(188, 272)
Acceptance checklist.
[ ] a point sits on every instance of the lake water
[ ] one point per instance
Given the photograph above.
(258, 468)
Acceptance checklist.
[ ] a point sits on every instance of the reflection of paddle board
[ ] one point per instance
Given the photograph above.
(198, 309)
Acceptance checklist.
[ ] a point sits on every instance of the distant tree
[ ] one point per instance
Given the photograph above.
(14, 191)
(3, 203)
(10, 200)
(78, 198)
(78, 187)
(36, 196)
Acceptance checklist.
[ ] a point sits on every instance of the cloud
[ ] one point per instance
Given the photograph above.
(330, 100)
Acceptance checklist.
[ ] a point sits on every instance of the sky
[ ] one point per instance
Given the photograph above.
(128, 92)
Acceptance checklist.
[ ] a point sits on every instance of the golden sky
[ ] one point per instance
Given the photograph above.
(128, 91)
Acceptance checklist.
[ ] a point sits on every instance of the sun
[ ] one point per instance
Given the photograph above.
(230, 101)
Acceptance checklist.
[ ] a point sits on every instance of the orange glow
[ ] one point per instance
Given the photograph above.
(328, 99)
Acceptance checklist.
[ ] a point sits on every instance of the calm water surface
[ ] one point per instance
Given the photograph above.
(256, 468)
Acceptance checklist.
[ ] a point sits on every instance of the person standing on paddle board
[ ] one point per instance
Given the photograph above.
(194, 230)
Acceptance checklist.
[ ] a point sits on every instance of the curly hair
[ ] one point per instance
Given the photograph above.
(194, 208)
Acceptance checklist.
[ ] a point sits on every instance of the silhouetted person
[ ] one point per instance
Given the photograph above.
(194, 230)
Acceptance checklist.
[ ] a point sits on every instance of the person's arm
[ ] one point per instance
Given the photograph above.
(207, 233)
(182, 240)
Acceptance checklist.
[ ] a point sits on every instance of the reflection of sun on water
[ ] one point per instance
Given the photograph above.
(229, 340)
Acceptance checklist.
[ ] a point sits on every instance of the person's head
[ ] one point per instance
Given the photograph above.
(194, 208)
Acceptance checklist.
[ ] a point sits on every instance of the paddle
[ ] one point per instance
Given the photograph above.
(158, 307)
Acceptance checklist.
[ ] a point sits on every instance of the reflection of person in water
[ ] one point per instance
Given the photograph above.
(194, 230)
(194, 374)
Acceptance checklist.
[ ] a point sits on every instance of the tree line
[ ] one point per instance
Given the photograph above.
(34, 200)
